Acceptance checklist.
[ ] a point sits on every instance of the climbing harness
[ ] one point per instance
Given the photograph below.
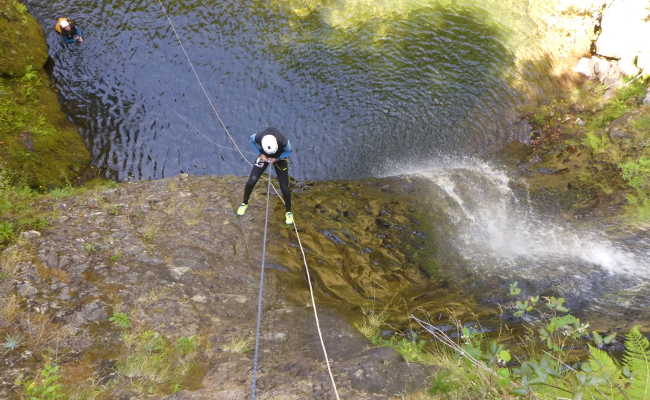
(302, 250)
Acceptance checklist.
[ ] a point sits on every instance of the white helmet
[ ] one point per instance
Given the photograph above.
(269, 144)
(64, 23)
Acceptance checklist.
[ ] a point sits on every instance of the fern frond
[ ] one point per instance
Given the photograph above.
(637, 359)
(603, 364)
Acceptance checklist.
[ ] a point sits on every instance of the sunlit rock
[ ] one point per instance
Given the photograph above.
(607, 72)
(625, 31)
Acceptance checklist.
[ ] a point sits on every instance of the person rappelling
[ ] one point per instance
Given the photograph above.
(272, 148)
(68, 30)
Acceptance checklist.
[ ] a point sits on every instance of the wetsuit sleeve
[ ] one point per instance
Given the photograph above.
(287, 150)
(254, 145)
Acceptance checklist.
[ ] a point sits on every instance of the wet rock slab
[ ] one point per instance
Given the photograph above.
(172, 256)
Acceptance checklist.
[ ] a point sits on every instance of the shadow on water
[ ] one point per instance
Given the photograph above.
(405, 85)
(412, 82)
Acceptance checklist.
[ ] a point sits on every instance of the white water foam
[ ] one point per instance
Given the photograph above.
(497, 226)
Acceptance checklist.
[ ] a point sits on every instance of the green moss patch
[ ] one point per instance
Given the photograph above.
(22, 40)
(594, 153)
(40, 148)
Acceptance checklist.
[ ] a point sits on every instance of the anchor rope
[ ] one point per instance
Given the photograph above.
(302, 250)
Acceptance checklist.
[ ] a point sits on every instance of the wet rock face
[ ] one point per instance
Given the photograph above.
(375, 243)
(172, 256)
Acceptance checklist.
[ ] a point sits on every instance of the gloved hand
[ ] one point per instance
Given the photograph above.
(261, 159)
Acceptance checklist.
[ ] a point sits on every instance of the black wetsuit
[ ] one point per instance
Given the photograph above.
(281, 165)
(69, 36)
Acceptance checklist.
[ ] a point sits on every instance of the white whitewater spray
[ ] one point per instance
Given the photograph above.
(497, 229)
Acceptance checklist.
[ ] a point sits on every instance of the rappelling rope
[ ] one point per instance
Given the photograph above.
(260, 295)
(313, 301)
(198, 79)
(206, 137)
(313, 304)
(302, 250)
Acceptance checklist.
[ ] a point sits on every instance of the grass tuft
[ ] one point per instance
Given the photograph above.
(239, 345)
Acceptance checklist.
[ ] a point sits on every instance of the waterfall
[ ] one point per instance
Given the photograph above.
(500, 235)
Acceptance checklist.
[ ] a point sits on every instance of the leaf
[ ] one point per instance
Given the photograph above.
(522, 391)
(603, 365)
(514, 289)
(637, 359)
(609, 338)
(597, 338)
(561, 322)
(626, 372)
(504, 355)
(493, 347)
(555, 303)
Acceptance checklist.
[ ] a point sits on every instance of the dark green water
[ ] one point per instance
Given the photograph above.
(357, 86)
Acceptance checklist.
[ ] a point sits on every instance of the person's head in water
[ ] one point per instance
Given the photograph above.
(65, 25)
(68, 30)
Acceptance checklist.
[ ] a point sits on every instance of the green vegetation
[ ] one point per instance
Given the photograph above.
(155, 364)
(149, 363)
(46, 386)
(11, 343)
(121, 320)
(371, 323)
(625, 100)
(637, 174)
(596, 142)
(239, 345)
(555, 356)
(412, 350)
(17, 211)
(115, 257)
(39, 149)
(23, 39)
(63, 192)
(90, 248)
(599, 149)
(23, 208)
(6, 232)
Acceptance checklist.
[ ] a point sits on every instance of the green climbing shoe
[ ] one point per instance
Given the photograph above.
(242, 209)
(288, 218)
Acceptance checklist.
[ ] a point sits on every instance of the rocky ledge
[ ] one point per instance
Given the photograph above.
(149, 290)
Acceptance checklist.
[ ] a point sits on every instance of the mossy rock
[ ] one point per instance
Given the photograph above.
(587, 161)
(39, 147)
(22, 41)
